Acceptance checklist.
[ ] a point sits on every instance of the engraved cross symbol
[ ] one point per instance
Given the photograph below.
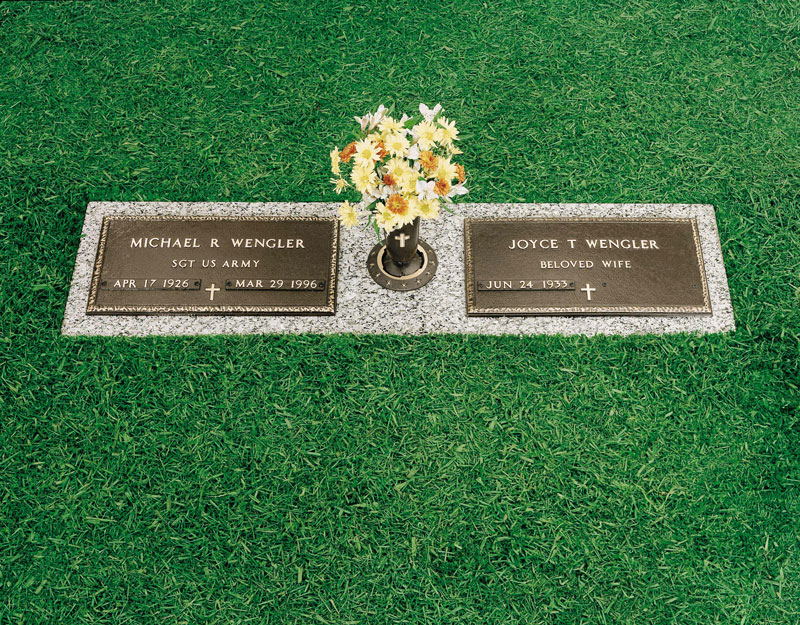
(588, 289)
(211, 290)
(403, 237)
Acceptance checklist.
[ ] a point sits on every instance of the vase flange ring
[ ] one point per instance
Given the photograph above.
(377, 262)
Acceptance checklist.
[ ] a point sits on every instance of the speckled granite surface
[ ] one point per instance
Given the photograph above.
(365, 308)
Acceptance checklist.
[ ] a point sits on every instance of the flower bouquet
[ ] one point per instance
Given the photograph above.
(404, 171)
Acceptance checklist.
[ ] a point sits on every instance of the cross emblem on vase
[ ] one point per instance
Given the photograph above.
(402, 237)
(211, 290)
(588, 289)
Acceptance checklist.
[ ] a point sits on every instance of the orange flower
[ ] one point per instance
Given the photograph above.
(346, 154)
(381, 149)
(397, 205)
(389, 180)
(462, 175)
(428, 160)
(442, 187)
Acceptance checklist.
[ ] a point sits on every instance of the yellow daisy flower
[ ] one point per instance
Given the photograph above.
(397, 144)
(335, 162)
(425, 134)
(339, 184)
(429, 209)
(408, 181)
(366, 153)
(396, 167)
(447, 131)
(347, 214)
(364, 178)
(445, 170)
(389, 125)
(413, 206)
(384, 217)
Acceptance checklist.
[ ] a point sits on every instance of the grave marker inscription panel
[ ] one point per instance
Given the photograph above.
(584, 266)
(215, 265)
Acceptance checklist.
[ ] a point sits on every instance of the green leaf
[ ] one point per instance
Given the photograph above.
(375, 227)
(413, 120)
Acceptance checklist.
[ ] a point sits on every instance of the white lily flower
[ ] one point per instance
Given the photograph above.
(413, 153)
(429, 114)
(363, 121)
(377, 117)
(369, 198)
(458, 189)
(425, 190)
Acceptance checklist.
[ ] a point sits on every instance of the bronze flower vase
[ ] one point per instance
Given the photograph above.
(403, 262)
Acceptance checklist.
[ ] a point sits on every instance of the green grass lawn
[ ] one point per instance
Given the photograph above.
(365, 480)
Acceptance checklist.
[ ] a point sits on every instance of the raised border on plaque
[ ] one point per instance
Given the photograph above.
(469, 277)
(329, 308)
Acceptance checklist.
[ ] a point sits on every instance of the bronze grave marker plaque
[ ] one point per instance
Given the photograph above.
(584, 266)
(215, 265)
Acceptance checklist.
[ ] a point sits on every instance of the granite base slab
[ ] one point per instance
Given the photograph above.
(363, 307)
